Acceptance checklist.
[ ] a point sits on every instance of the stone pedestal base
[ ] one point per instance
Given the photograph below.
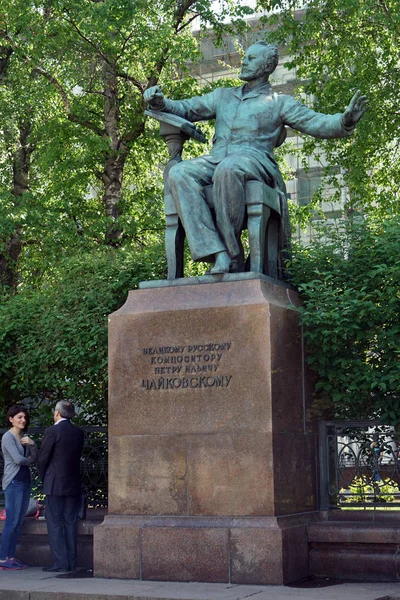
(356, 545)
(208, 439)
(269, 550)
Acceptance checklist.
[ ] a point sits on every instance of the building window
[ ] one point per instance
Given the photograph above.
(307, 185)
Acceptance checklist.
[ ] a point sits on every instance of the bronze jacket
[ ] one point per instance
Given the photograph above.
(253, 123)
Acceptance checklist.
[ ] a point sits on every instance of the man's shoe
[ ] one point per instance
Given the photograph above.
(9, 565)
(54, 569)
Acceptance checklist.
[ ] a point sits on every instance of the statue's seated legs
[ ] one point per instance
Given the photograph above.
(186, 182)
(213, 225)
(263, 222)
(228, 199)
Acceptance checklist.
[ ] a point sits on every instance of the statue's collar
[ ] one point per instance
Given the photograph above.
(243, 93)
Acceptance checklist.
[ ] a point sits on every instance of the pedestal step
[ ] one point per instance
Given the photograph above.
(265, 550)
(355, 550)
(33, 546)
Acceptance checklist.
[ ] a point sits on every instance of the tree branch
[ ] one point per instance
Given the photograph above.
(93, 92)
(67, 105)
(135, 82)
(6, 53)
(133, 134)
(383, 5)
(180, 28)
(126, 40)
(155, 74)
(87, 40)
(182, 9)
(57, 85)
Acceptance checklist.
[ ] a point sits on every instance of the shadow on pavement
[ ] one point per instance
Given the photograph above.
(78, 574)
(316, 582)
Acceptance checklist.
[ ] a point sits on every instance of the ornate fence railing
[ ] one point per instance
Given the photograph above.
(94, 466)
(359, 465)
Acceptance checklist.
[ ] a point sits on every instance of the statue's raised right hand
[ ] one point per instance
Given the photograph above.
(154, 97)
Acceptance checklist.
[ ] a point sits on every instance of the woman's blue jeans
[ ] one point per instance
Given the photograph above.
(17, 499)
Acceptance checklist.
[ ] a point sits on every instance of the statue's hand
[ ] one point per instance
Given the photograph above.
(154, 97)
(355, 110)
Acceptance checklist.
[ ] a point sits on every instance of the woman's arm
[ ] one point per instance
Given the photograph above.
(33, 452)
(10, 448)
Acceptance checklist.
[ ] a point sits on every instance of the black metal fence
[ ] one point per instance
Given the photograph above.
(359, 465)
(94, 466)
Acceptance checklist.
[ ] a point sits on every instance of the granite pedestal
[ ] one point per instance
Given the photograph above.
(211, 459)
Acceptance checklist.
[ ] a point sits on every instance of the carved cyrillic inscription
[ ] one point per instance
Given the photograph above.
(192, 366)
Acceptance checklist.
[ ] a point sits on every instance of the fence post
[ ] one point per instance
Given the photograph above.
(324, 501)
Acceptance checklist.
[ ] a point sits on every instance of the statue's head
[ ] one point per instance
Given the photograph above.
(260, 59)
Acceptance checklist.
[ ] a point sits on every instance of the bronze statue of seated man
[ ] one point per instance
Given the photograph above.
(249, 123)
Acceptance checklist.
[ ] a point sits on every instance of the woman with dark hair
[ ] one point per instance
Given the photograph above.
(19, 451)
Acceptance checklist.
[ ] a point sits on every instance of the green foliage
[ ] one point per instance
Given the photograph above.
(349, 277)
(363, 491)
(77, 71)
(359, 489)
(337, 47)
(350, 283)
(53, 339)
(73, 133)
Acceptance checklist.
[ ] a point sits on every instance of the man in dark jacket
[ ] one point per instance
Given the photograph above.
(59, 466)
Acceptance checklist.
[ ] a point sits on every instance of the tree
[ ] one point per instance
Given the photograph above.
(111, 52)
(349, 276)
(89, 221)
(53, 340)
(93, 176)
(337, 47)
(16, 129)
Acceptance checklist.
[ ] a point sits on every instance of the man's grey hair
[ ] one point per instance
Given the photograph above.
(273, 56)
(65, 408)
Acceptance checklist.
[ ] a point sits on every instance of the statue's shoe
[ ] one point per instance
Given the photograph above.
(222, 264)
(237, 264)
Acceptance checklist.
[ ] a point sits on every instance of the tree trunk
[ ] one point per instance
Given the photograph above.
(9, 258)
(116, 156)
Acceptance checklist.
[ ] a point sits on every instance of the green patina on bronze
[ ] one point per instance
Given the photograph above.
(250, 124)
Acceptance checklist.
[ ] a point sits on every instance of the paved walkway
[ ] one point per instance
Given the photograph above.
(34, 584)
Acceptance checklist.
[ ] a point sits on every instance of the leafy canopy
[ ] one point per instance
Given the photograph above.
(350, 284)
(336, 48)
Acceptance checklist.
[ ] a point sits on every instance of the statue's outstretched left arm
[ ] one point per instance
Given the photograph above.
(320, 125)
(357, 107)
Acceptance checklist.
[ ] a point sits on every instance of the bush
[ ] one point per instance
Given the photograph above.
(350, 283)
(53, 339)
